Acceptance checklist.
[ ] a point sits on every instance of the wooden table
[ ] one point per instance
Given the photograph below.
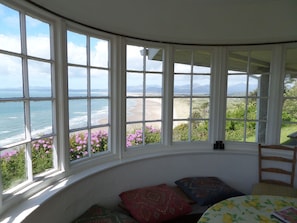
(247, 209)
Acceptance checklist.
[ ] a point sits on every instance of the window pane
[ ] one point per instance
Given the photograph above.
(134, 109)
(154, 60)
(77, 113)
(237, 85)
(42, 155)
(235, 108)
(99, 140)
(38, 38)
(201, 63)
(289, 110)
(12, 123)
(10, 39)
(238, 62)
(199, 131)
(39, 79)
(201, 85)
(77, 81)
(289, 134)
(260, 62)
(180, 131)
(182, 85)
(99, 82)
(11, 80)
(200, 108)
(78, 142)
(251, 133)
(135, 57)
(153, 133)
(99, 111)
(154, 84)
(13, 166)
(76, 48)
(99, 52)
(182, 61)
(134, 135)
(181, 108)
(153, 109)
(41, 118)
(234, 131)
(134, 84)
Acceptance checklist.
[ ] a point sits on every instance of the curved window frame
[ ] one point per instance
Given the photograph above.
(117, 98)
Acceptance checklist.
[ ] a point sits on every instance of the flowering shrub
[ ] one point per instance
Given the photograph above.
(12, 167)
(13, 161)
(151, 135)
(79, 144)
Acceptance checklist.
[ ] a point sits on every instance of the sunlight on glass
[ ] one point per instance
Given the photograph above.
(38, 38)
(39, 124)
(40, 78)
(76, 48)
(11, 84)
(99, 52)
(10, 39)
(135, 57)
(15, 130)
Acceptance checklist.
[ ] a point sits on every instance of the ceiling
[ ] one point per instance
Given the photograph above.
(207, 22)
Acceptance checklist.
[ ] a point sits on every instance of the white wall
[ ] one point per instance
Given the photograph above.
(238, 170)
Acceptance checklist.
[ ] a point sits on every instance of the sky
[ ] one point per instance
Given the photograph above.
(38, 44)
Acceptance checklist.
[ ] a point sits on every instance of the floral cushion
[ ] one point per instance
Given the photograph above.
(154, 204)
(97, 214)
(206, 190)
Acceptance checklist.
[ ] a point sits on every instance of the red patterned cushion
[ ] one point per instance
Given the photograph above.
(154, 204)
(97, 214)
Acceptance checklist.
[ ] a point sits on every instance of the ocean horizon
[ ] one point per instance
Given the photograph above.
(12, 115)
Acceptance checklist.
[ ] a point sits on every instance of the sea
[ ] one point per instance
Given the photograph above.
(12, 128)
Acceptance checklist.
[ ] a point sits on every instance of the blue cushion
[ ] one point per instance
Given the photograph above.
(206, 190)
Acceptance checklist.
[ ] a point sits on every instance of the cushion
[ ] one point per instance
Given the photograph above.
(206, 190)
(273, 189)
(154, 204)
(97, 214)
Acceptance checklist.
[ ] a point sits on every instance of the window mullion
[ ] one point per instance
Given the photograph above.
(28, 151)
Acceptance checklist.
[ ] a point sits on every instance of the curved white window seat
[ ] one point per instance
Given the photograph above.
(71, 196)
